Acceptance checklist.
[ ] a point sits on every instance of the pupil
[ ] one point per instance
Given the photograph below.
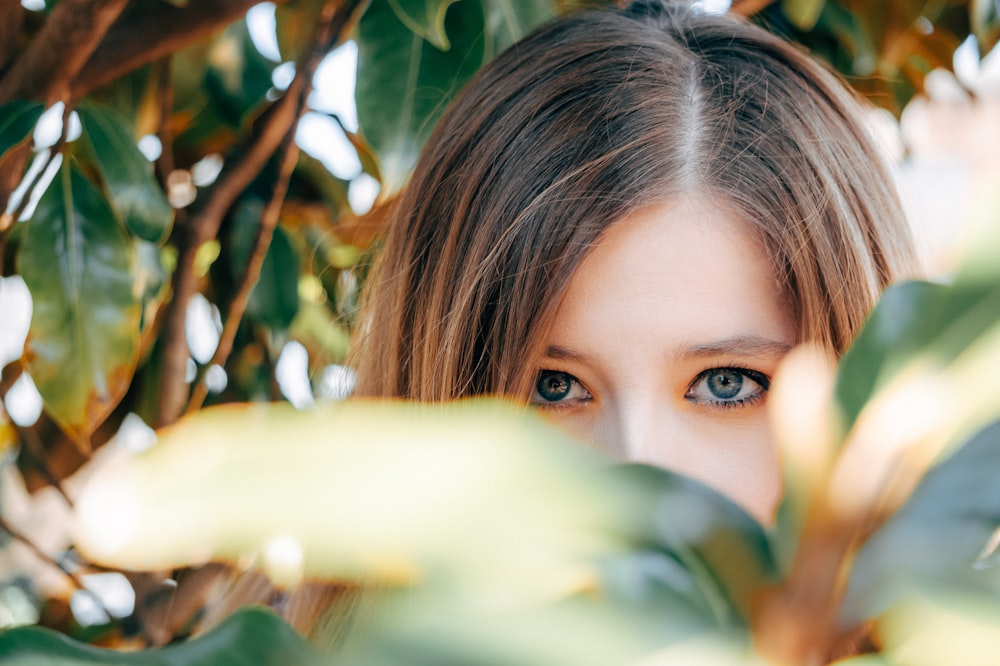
(553, 386)
(725, 384)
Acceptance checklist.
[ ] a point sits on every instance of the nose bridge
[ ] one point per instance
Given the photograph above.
(644, 430)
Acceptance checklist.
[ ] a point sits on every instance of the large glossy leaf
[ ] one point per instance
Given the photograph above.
(404, 82)
(424, 18)
(507, 21)
(917, 324)
(135, 194)
(725, 553)
(238, 77)
(249, 636)
(79, 267)
(393, 490)
(937, 537)
(274, 300)
(483, 528)
(17, 121)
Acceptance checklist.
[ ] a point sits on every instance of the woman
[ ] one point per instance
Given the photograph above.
(627, 219)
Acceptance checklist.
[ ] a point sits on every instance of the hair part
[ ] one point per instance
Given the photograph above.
(591, 118)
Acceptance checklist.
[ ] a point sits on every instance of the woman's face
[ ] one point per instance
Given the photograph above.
(664, 348)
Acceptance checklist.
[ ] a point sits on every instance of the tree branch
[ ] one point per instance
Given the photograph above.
(164, 29)
(59, 51)
(11, 21)
(275, 128)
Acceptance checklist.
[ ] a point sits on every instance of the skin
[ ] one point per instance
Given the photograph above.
(664, 345)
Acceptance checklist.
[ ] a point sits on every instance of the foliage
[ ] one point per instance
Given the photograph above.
(118, 252)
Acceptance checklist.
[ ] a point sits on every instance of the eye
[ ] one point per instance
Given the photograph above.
(556, 387)
(728, 387)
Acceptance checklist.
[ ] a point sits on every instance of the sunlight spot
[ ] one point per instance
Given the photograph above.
(334, 85)
(216, 379)
(712, 6)
(134, 435)
(207, 169)
(114, 591)
(23, 402)
(203, 327)
(320, 136)
(282, 75)
(336, 383)
(150, 147)
(15, 312)
(283, 561)
(86, 611)
(262, 25)
(49, 126)
(180, 188)
(33, 5)
(362, 193)
(292, 373)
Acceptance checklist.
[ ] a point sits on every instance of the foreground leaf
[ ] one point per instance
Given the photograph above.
(17, 122)
(395, 491)
(135, 194)
(937, 537)
(250, 636)
(83, 340)
(726, 553)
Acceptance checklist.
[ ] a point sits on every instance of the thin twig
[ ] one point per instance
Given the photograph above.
(48, 559)
(155, 32)
(276, 129)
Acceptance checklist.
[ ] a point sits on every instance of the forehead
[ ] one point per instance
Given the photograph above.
(689, 270)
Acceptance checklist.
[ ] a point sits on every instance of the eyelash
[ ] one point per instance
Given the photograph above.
(759, 378)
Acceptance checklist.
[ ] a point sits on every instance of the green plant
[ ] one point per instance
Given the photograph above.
(116, 250)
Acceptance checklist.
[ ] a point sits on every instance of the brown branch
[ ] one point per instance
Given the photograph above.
(142, 38)
(275, 128)
(48, 559)
(11, 21)
(59, 51)
(330, 29)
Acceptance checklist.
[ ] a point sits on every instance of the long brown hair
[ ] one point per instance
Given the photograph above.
(593, 117)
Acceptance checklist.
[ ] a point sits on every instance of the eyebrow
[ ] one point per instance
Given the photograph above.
(563, 354)
(741, 345)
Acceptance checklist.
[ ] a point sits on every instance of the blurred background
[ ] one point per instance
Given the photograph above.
(277, 135)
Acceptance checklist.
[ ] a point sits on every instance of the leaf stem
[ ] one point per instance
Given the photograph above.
(277, 136)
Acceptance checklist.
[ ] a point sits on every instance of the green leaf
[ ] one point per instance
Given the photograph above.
(726, 552)
(803, 13)
(17, 122)
(482, 528)
(938, 535)
(238, 77)
(79, 267)
(135, 194)
(404, 82)
(250, 636)
(392, 490)
(916, 324)
(507, 21)
(274, 300)
(424, 18)
(294, 24)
